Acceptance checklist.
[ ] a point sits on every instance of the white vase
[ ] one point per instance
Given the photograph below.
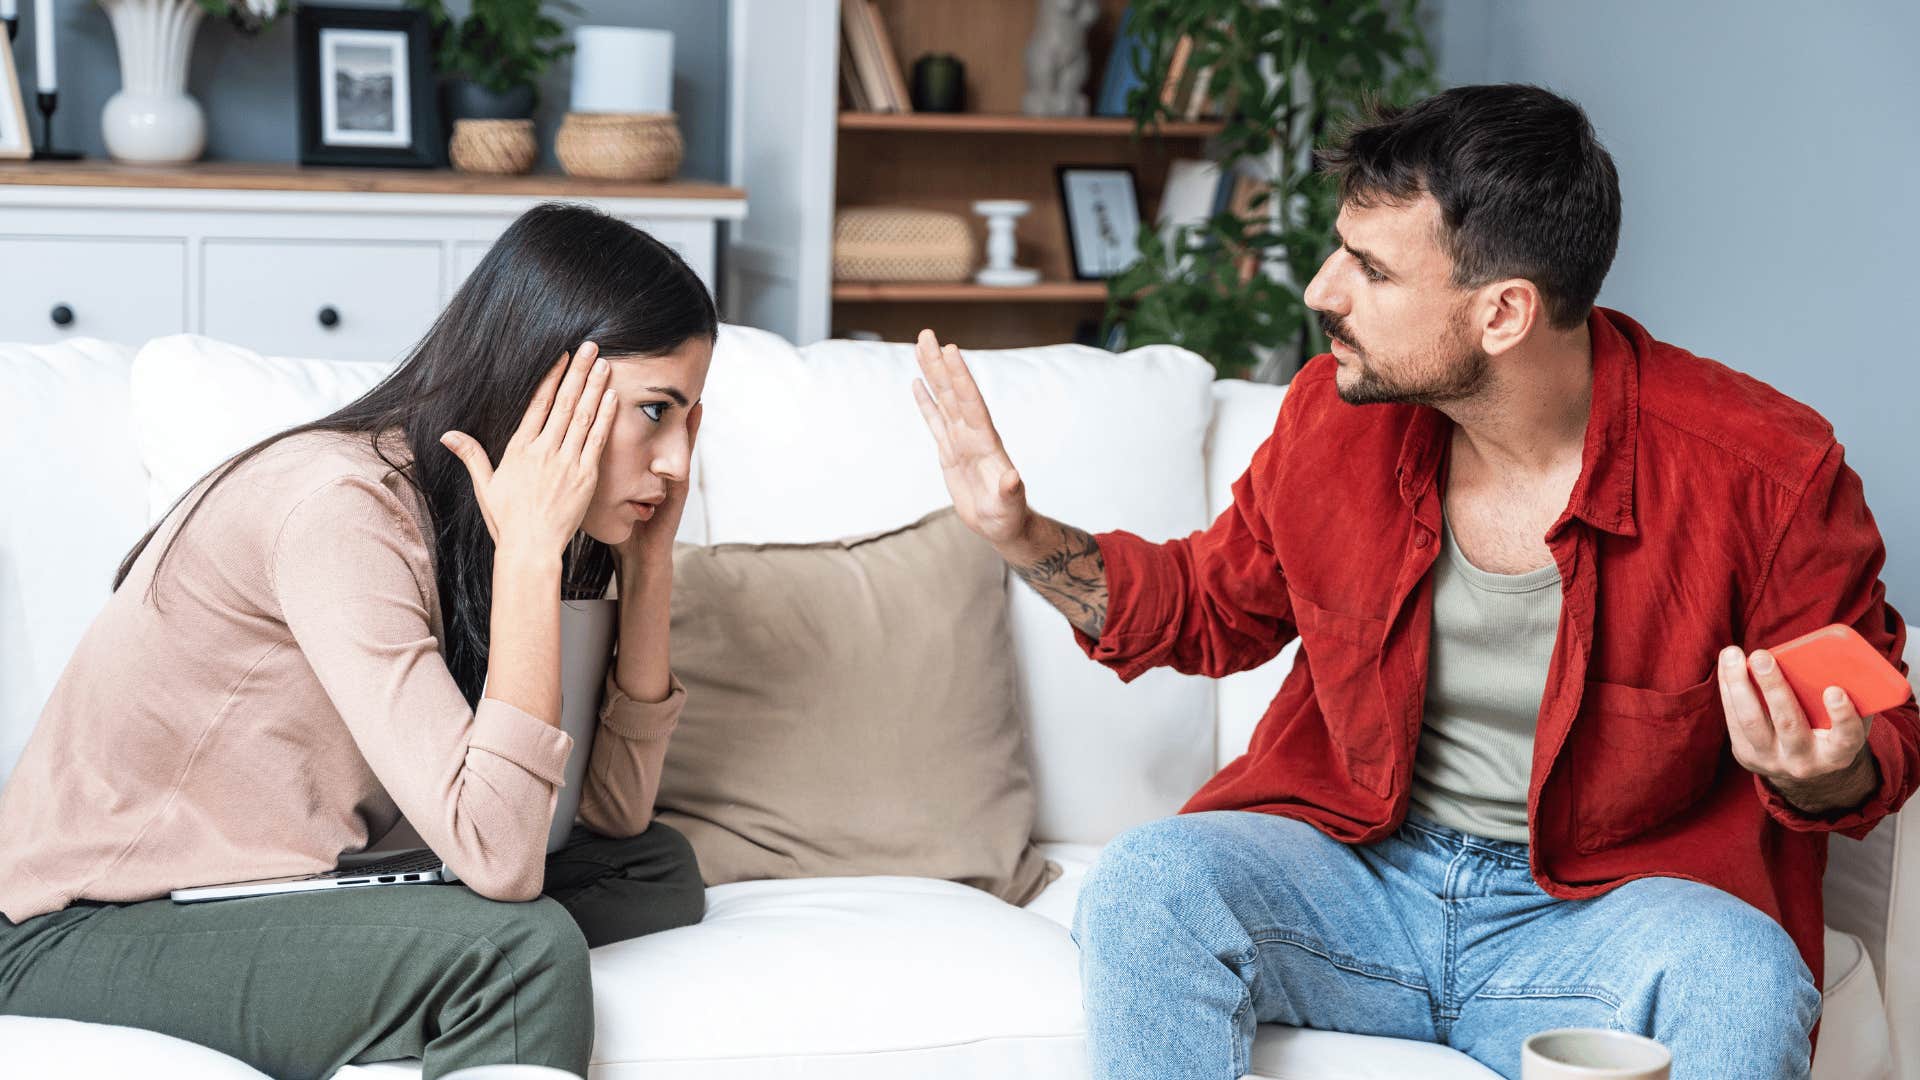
(153, 120)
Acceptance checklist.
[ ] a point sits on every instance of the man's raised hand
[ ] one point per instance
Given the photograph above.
(985, 487)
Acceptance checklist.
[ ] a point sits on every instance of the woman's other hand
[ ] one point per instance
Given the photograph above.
(535, 498)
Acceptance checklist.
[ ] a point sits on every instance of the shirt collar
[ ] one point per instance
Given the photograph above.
(1603, 494)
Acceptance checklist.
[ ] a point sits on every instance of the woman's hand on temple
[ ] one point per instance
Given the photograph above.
(536, 497)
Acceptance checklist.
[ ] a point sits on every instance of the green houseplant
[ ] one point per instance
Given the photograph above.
(248, 16)
(1291, 72)
(491, 60)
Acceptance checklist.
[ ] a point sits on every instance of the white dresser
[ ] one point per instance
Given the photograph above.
(339, 263)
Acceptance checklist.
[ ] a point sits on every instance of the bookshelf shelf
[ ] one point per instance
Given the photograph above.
(948, 161)
(998, 124)
(1091, 292)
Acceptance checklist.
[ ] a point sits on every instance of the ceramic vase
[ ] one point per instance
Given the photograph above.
(152, 120)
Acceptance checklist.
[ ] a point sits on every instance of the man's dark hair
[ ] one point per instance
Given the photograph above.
(1525, 189)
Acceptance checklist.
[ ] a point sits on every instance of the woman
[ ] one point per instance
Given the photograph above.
(359, 618)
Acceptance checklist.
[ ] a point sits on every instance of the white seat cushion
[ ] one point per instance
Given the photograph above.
(1855, 1043)
(941, 979)
(36, 1047)
(1283, 1053)
(882, 977)
(850, 978)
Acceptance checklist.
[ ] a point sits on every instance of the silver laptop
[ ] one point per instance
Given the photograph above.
(586, 646)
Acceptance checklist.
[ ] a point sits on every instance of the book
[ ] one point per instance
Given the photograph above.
(1198, 97)
(1190, 193)
(866, 54)
(1171, 86)
(1241, 190)
(1199, 101)
(901, 99)
(1121, 76)
(851, 88)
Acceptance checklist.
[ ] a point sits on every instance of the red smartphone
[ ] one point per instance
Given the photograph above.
(1838, 656)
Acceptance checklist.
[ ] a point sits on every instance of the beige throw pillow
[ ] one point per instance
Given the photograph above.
(850, 711)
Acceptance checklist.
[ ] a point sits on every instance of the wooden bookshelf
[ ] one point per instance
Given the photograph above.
(947, 161)
(935, 292)
(1102, 127)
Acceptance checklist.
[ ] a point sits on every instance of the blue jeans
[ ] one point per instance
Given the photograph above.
(1194, 929)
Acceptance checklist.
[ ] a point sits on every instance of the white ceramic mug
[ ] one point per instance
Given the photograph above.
(1593, 1054)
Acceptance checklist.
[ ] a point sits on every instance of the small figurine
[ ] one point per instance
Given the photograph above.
(1057, 58)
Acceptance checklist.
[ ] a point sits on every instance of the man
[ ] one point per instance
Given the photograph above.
(1535, 767)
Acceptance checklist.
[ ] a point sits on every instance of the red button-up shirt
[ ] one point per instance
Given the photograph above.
(1710, 510)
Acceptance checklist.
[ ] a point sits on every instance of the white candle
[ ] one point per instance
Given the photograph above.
(43, 46)
(8, 10)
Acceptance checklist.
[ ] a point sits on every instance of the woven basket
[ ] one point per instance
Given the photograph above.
(620, 146)
(897, 243)
(499, 147)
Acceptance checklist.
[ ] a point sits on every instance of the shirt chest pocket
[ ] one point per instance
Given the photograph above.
(1639, 759)
(1343, 654)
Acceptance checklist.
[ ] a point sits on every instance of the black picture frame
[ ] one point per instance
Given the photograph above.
(1096, 258)
(331, 133)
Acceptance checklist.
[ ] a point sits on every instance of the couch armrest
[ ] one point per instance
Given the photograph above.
(1873, 892)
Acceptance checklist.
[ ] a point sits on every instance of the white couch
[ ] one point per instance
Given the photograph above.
(851, 977)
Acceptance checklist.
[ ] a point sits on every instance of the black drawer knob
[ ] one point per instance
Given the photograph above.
(62, 315)
(329, 316)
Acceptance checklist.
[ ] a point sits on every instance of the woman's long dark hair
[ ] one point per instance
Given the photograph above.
(558, 276)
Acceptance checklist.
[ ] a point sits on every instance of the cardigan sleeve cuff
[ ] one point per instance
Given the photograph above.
(522, 738)
(1141, 606)
(1883, 744)
(631, 718)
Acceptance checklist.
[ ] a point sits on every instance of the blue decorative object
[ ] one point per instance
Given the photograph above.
(1120, 77)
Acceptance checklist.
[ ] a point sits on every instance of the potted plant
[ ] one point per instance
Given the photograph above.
(490, 61)
(1293, 72)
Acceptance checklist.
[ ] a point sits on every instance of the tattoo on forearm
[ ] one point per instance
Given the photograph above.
(1073, 577)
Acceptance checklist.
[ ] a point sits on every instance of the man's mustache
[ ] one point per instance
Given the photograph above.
(1335, 327)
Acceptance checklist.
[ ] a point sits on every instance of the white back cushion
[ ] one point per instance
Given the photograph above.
(822, 442)
(1243, 416)
(71, 505)
(197, 402)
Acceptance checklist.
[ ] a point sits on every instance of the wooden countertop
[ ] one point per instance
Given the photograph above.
(256, 176)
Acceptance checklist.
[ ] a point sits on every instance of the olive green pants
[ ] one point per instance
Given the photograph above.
(298, 985)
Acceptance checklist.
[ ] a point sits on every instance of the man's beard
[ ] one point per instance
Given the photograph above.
(1457, 377)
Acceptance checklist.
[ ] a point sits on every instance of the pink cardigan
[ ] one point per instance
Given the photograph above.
(287, 702)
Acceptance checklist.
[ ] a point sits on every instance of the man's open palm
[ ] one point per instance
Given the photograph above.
(985, 487)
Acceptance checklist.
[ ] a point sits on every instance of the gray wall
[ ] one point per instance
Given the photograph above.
(247, 85)
(1769, 162)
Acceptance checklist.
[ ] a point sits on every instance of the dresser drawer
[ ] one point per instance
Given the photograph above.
(337, 300)
(121, 290)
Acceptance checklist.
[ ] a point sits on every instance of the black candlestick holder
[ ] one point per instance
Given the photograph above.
(13, 27)
(46, 152)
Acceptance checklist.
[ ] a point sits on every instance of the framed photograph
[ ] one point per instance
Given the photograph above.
(1102, 208)
(16, 141)
(366, 88)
